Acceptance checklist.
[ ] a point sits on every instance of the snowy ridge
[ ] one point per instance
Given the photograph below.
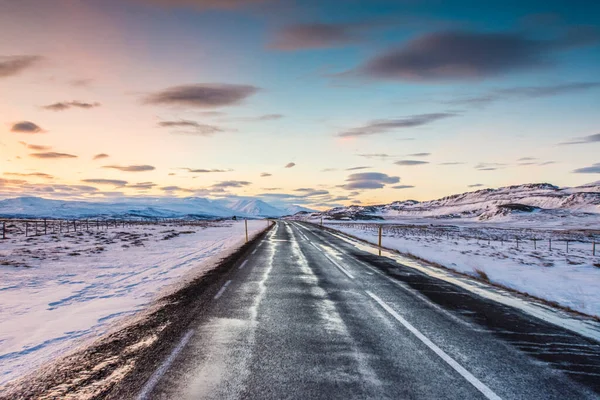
(532, 201)
(190, 207)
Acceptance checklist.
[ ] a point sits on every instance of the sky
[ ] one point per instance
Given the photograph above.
(318, 103)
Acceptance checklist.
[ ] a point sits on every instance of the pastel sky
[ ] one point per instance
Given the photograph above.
(321, 103)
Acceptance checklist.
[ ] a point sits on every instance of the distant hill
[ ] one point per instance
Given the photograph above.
(190, 207)
(539, 201)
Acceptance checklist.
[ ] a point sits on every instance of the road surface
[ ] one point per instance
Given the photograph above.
(308, 315)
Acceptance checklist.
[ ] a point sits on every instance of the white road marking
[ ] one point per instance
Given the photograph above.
(158, 374)
(244, 263)
(254, 251)
(220, 292)
(486, 391)
(344, 270)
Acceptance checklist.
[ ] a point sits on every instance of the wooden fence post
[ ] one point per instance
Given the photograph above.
(380, 231)
(517, 243)
(45, 226)
(534, 243)
(74, 226)
(550, 244)
(4, 233)
(594, 248)
(246, 224)
(26, 228)
(567, 246)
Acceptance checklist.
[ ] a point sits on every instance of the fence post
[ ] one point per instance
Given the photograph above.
(534, 243)
(4, 233)
(594, 248)
(246, 224)
(35, 226)
(380, 230)
(26, 228)
(45, 226)
(74, 226)
(567, 246)
(550, 244)
(517, 243)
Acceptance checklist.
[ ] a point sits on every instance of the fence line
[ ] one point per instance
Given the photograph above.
(50, 226)
(466, 233)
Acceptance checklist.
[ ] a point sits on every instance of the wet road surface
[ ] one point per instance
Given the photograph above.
(308, 315)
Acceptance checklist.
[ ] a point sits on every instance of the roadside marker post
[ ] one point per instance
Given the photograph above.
(380, 229)
(246, 223)
(4, 232)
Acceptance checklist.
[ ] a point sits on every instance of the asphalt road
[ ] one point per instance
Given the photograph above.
(307, 315)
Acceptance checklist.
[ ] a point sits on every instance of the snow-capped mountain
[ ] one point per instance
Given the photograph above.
(190, 207)
(543, 199)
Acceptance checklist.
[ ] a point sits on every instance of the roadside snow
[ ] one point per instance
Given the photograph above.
(58, 292)
(569, 279)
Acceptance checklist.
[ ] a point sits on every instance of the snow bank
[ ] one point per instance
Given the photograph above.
(569, 279)
(57, 292)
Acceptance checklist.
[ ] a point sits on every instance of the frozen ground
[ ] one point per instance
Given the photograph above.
(570, 279)
(59, 292)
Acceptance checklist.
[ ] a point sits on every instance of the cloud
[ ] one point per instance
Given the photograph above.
(198, 129)
(369, 180)
(594, 169)
(36, 147)
(419, 155)
(403, 187)
(381, 156)
(26, 127)
(465, 55)
(290, 165)
(51, 154)
(453, 163)
(142, 185)
(81, 82)
(101, 156)
(410, 162)
(10, 66)
(231, 184)
(527, 159)
(65, 105)
(114, 182)
(356, 168)
(131, 168)
(489, 166)
(476, 185)
(206, 4)
(265, 117)
(316, 36)
(176, 189)
(202, 95)
(526, 92)
(205, 171)
(386, 125)
(329, 170)
(583, 140)
(32, 174)
(265, 174)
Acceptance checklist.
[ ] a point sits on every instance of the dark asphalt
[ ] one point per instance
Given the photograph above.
(308, 315)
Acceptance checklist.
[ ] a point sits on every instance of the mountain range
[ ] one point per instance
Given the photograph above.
(190, 207)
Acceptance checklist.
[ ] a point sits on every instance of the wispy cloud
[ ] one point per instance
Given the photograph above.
(453, 163)
(10, 66)
(196, 127)
(112, 182)
(316, 36)
(30, 174)
(231, 184)
(451, 55)
(206, 4)
(290, 165)
(381, 156)
(475, 185)
(583, 140)
(410, 163)
(203, 95)
(403, 187)
(386, 125)
(489, 166)
(131, 168)
(369, 180)
(265, 174)
(65, 105)
(51, 154)
(419, 155)
(101, 156)
(357, 168)
(594, 169)
(205, 171)
(142, 185)
(26, 127)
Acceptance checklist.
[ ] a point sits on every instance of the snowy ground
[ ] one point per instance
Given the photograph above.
(58, 292)
(570, 279)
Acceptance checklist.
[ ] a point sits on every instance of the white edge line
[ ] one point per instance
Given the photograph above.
(244, 263)
(158, 374)
(486, 391)
(220, 292)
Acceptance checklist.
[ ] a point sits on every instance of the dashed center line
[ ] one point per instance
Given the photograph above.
(344, 270)
(243, 264)
(220, 292)
(486, 391)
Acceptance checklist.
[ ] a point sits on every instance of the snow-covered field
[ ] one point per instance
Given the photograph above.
(570, 279)
(59, 292)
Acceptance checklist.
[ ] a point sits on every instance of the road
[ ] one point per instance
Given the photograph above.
(307, 314)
